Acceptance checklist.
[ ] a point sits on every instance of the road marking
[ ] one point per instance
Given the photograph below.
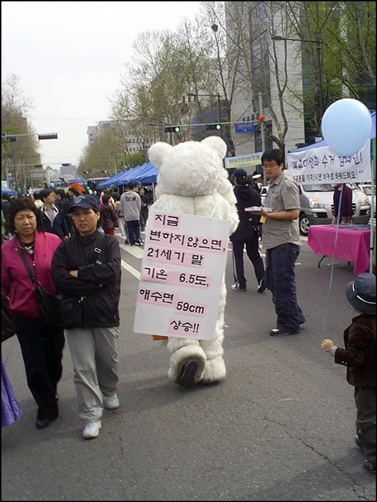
(136, 251)
(130, 269)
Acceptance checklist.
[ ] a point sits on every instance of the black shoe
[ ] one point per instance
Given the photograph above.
(188, 372)
(44, 422)
(280, 332)
(262, 285)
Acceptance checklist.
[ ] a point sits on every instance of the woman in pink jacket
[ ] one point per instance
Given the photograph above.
(41, 346)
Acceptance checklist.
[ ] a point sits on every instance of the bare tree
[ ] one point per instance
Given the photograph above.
(18, 157)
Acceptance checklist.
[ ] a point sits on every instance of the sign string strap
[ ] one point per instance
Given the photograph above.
(332, 266)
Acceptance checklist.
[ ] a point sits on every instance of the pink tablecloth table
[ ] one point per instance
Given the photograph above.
(352, 245)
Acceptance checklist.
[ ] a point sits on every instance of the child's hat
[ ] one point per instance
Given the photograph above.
(361, 293)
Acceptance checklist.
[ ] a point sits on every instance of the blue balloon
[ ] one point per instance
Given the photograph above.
(346, 126)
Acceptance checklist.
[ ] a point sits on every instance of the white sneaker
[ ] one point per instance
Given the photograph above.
(111, 402)
(236, 287)
(91, 430)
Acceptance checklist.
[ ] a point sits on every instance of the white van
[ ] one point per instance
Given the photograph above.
(317, 205)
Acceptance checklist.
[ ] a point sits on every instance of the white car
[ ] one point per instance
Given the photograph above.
(367, 189)
(317, 205)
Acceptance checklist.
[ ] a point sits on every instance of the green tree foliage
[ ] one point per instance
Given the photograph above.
(103, 153)
(347, 35)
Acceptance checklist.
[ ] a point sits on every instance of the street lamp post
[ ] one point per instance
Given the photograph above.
(218, 96)
(318, 43)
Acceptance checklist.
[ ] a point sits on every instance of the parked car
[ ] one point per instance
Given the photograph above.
(317, 205)
(367, 189)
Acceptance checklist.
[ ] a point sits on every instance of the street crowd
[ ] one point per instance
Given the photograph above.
(65, 242)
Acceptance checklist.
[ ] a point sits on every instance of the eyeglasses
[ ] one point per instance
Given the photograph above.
(267, 166)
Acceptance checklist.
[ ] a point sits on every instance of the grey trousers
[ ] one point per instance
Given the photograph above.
(95, 359)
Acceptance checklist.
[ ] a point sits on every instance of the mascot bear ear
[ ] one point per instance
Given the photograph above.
(217, 144)
(158, 152)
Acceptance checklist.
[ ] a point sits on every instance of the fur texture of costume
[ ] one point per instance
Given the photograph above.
(192, 180)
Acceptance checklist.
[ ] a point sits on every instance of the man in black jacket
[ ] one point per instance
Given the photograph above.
(246, 234)
(87, 270)
(53, 218)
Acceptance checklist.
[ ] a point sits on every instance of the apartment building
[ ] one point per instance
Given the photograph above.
(132, 143)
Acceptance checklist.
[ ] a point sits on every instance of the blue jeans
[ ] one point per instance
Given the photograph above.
(133, 230)
(281, 281)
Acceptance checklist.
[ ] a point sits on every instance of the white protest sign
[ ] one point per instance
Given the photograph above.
(322, 165)
(181, 275)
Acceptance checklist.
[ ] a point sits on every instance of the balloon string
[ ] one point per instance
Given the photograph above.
(332, 266)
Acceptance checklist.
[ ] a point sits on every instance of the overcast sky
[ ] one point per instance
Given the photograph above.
(70, 56)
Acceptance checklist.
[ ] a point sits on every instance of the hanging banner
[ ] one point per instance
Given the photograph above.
(181, 275)
(243, 161)
(321, 165)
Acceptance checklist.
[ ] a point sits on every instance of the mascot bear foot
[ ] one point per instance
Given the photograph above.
(187, 365)
(214, 370)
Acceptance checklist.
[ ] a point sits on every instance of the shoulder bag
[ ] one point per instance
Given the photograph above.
(48, 303)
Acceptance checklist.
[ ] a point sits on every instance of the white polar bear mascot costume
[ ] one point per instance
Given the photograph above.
(192, 180)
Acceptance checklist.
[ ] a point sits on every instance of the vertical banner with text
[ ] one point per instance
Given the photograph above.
(181, 275)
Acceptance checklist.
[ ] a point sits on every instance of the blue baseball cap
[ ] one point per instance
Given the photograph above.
(240, 174)
(86, 201)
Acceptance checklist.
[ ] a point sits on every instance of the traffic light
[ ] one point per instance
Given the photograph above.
(104, 171)
(7, 139)
(211, 127)
(172, 128)
(48, 136)
(86, 172)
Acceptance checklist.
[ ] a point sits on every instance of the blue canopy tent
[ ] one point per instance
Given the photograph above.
(111, 181)
(126, 176)
(150, 177)
(147, 175)
(7, 190)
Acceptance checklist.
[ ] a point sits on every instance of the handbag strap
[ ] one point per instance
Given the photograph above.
(31, 275)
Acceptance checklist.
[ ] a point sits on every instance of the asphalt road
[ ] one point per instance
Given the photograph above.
(280, 427)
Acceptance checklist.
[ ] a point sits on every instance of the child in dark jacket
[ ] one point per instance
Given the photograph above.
(359, 355)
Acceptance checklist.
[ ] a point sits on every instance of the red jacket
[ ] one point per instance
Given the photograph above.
(15, 280)
(109, 216)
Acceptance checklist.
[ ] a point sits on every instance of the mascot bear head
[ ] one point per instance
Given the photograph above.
(192, 168)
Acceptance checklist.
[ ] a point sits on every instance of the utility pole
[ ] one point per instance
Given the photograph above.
(262, 132)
